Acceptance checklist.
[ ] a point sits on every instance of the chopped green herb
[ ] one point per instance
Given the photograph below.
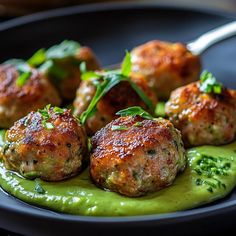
(89, 75)
(126, 65)
(47, 125)
(138, 124)
(160, 109)
(199, 182)
(83, 67)
(135, 111)
(38, 58)
(38, 188)
(209, 84)
(21, 80)
(118, 127)
(58, 110)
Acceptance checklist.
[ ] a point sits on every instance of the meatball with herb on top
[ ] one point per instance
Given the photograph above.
(49, 144)
(204, 112)
(119, 97)
(22, 90)
(61, 65)
(166, 66)
(135, 156)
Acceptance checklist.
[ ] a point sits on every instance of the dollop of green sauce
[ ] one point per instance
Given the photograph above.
(210, 175)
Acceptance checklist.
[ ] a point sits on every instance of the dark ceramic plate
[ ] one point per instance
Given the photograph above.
(109, 30)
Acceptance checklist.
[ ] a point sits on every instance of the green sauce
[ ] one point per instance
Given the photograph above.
(210, 175)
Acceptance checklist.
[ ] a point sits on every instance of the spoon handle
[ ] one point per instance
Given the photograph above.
(199, 45)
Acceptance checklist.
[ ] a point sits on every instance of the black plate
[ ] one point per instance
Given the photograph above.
(109, 30)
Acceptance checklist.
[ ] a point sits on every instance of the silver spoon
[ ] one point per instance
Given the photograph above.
(199, 45)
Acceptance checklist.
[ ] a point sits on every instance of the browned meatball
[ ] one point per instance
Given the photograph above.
(119, 97)
(166, 66)
(17, 101)
(203, 118)
(50, 148)
(68, 84)
(144, 157)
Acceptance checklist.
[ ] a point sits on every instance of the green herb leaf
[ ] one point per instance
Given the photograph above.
(135, 111)
(58, 110)
(126, 65)
(38, 58)
(67, 48)
(83, 67)
(90, 75)
(209, 84)
(21, 80)
(118, 127)
(102, 89)
(160, 109)
(47, 125)
(38, 188)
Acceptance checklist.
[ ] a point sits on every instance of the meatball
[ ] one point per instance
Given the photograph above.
(166, 66)
(143, 157)
(119, 97)
(47, 144)
(17, 101)
(203, 118)
(68, 84)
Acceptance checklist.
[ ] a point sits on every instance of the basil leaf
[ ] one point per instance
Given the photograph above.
(83, 67)
(89, 75)
(135, 111)
(118, 127)
(126, 65)
(21, 80)
(67, 48)
(38, 58)
(209, 84)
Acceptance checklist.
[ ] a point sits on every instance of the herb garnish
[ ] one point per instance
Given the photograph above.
(160, 109)
(47, 60)
(135, 111)
(23, 69)
(118, 127)
(209, 84)
(38, 188)
(106, 80)
(46, 116)
(211, 167)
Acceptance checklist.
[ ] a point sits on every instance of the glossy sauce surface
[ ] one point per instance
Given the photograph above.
(210, 175)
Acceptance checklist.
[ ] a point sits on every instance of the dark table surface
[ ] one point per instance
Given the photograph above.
(226, 5)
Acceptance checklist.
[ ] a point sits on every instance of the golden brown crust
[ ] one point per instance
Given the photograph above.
(143, 158)
(203, 118)
(53, 154)
(165, 66)
(16, 101)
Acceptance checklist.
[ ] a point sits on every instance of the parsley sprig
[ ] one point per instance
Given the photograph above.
(209, 84)
(105, 81)
(23, 69)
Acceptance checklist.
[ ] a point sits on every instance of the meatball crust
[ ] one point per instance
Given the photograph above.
(52, 154)
(203, 118)
(17, 101)
(119, 97)
(166, 66)
(145, 157)
(67, 86)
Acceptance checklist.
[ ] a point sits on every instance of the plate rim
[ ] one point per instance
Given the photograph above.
(160, 218)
